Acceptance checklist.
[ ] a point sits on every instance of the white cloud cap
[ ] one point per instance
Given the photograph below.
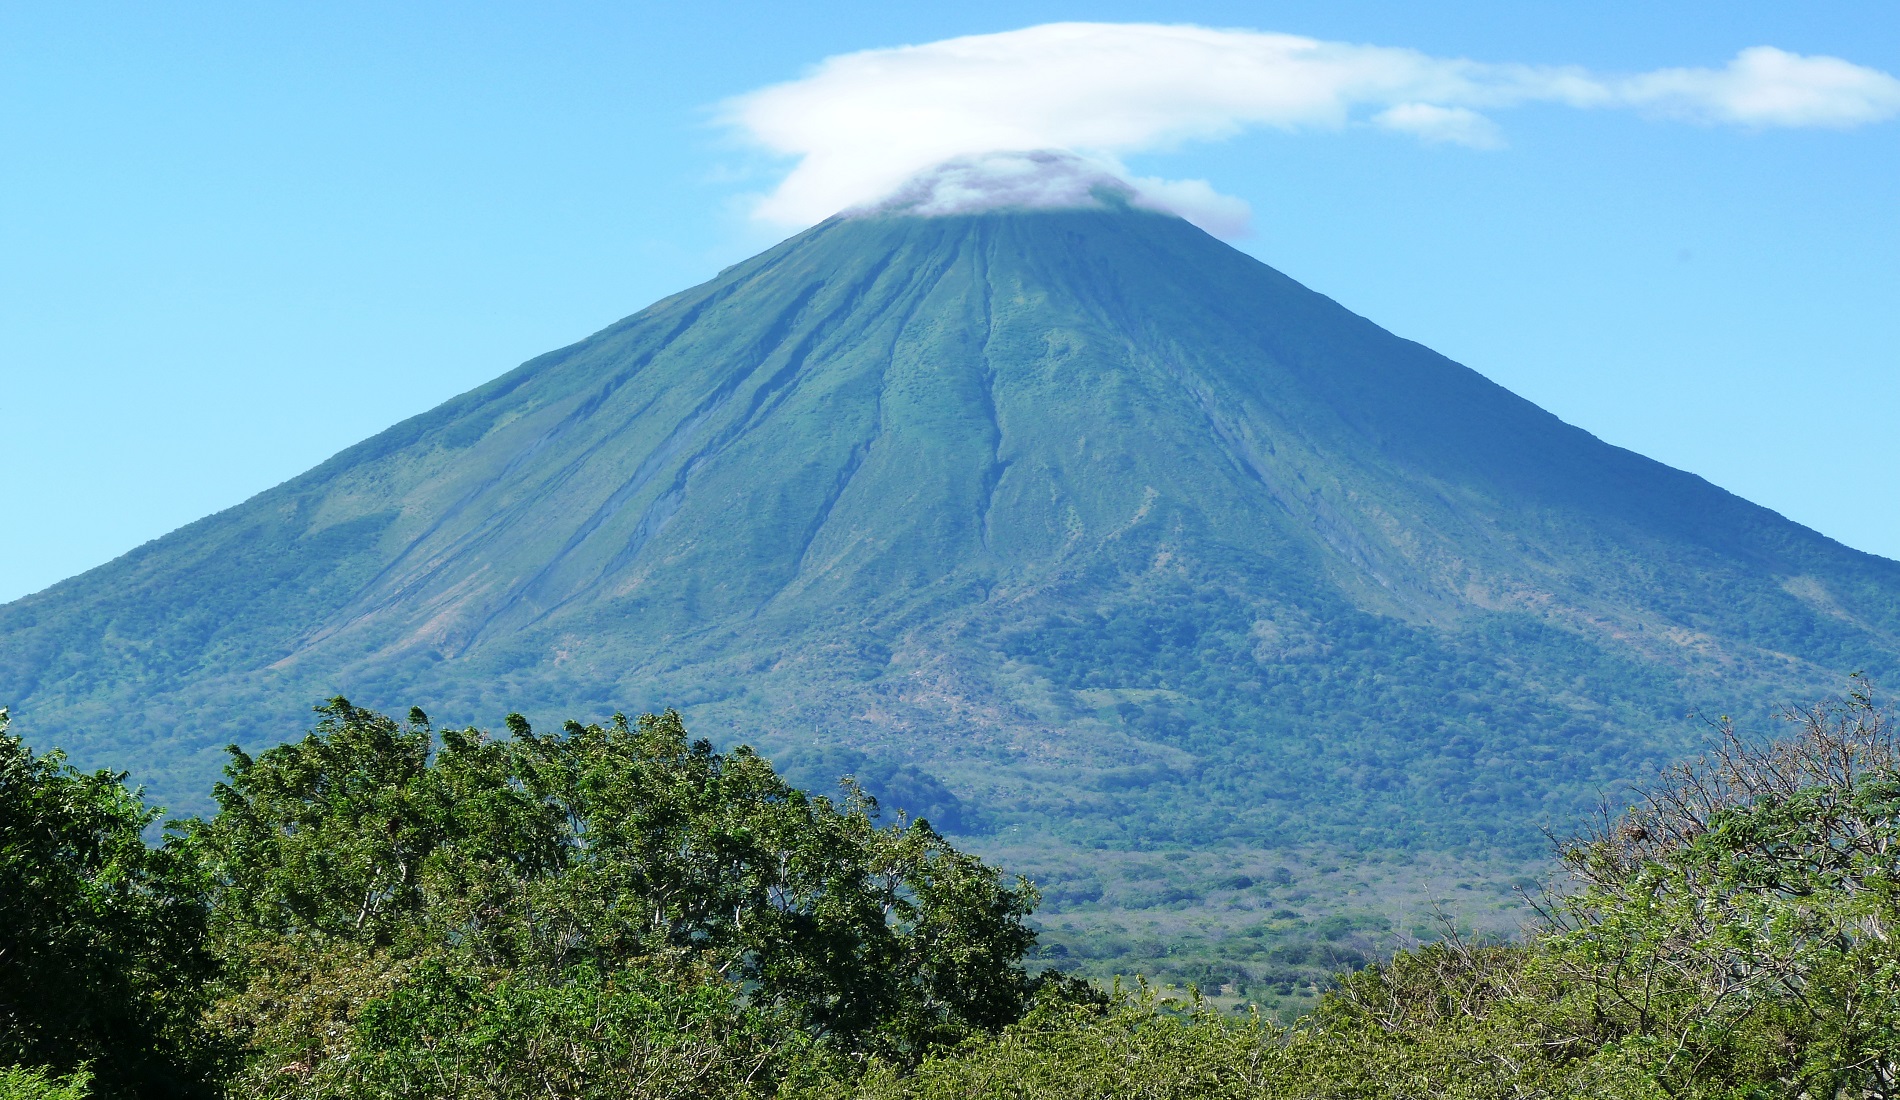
(1053, 179)
(862, 124)
(1034, 180)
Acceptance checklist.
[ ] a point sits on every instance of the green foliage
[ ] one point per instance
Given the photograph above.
(620, 911)
(394, 899)
(101, 955)
(1131, 1047)
(1362, 731)
(1730, 937)
(446, 1033)
(18, 1083)
(1738, 925)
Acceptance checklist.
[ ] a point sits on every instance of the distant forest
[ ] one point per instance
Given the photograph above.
(388, 909)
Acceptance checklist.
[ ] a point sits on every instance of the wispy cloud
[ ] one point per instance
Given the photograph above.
(1442, 125)
(1764, 86)
(861, 124)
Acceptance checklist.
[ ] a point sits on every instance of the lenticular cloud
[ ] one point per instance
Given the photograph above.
(1052, 179)
(861, 125)
(1034, 180)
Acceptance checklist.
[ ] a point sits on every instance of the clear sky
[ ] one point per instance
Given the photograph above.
(236, 238)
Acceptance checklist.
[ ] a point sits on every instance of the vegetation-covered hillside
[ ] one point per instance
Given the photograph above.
(1076, 527)
(384, 909)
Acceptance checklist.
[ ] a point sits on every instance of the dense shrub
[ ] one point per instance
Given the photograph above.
(102, 958)
(20, 1083)
(1065, 1050)
(393, 901)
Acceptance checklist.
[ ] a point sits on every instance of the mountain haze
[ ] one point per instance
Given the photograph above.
(1077, 522)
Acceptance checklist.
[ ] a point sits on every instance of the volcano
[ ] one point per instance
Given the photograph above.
(1075, 522)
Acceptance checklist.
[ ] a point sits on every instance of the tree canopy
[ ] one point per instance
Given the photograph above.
(102, 955)
(443, 872)
(383, 908)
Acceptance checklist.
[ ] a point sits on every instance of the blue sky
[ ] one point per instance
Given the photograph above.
(236, 238)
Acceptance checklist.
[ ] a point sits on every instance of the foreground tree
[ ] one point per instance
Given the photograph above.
(102, 960)
(1738, 924)
(1732, 934)
(400, 904)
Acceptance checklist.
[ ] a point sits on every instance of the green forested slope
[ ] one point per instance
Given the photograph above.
(1076, 525)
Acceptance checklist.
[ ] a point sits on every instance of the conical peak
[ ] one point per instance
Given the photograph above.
(1097, 236)
(1034, 221)
(987, 464)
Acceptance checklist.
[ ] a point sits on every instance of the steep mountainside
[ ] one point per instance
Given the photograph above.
(1078, 522)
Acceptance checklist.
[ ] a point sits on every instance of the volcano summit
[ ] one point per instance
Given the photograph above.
(1073, 520)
